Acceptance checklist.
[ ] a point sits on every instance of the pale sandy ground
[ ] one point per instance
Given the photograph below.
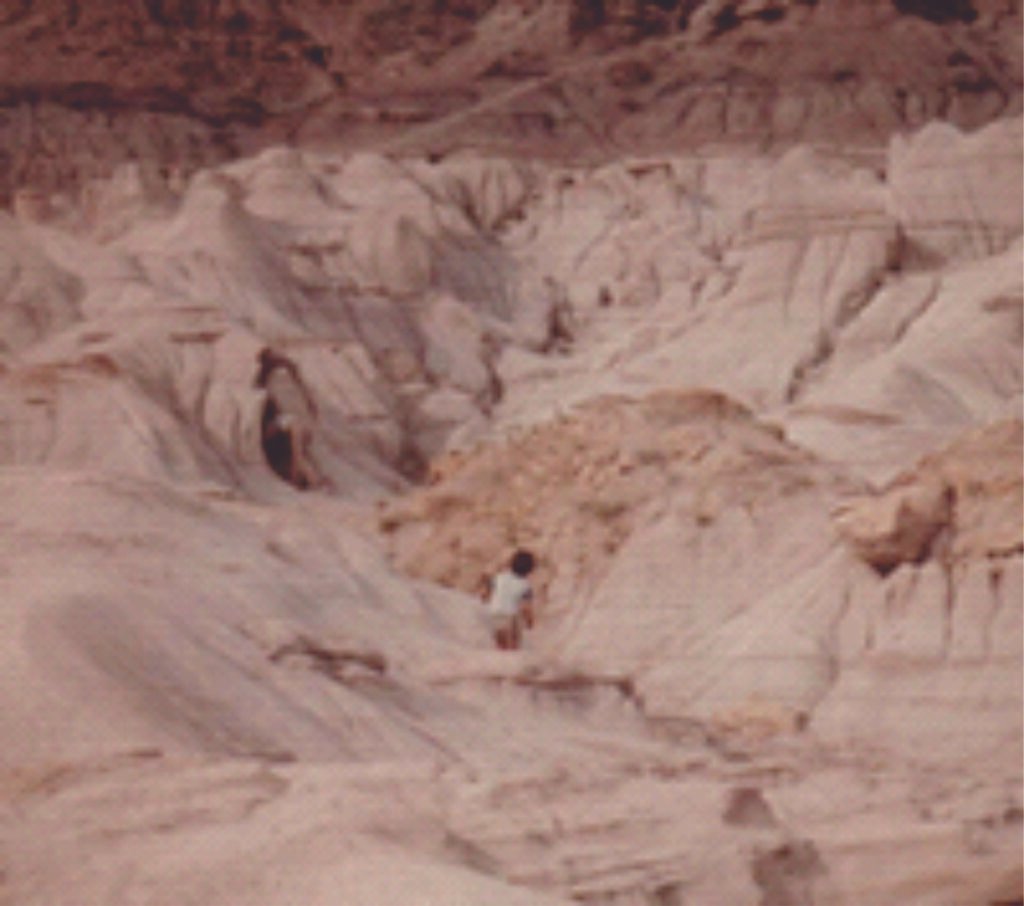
(758, 415)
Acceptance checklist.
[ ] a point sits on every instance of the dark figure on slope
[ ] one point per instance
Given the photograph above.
(287, 421)
(510, 602)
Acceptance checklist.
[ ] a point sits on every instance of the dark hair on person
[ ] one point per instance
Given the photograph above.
(269, 361)
(522, 563)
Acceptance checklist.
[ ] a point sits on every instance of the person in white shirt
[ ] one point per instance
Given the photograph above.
(510, 603)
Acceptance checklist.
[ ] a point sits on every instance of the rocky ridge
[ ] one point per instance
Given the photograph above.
(179, 85)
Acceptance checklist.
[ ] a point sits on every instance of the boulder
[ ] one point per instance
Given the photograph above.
(900, 525)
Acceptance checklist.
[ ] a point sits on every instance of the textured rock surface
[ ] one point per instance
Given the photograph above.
(758, 414)
(179, 85)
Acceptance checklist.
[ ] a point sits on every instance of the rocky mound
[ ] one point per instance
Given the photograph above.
(577, 489)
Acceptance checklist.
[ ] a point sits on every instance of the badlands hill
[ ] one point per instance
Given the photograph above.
(756, 406)
(184, 83)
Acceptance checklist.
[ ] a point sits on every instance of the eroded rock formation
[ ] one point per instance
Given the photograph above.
(758, 414)
(182, 85)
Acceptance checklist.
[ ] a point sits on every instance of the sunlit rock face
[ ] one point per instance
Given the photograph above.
(269, 420)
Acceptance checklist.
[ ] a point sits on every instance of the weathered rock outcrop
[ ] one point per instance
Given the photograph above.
(184, 85)
(975, 216)
(901, 526)
(792, 285)
(386, 286)
(661, 568)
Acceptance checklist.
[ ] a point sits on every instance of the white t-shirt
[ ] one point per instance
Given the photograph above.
(508, 595)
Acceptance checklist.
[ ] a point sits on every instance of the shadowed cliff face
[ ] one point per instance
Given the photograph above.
(181, 84)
